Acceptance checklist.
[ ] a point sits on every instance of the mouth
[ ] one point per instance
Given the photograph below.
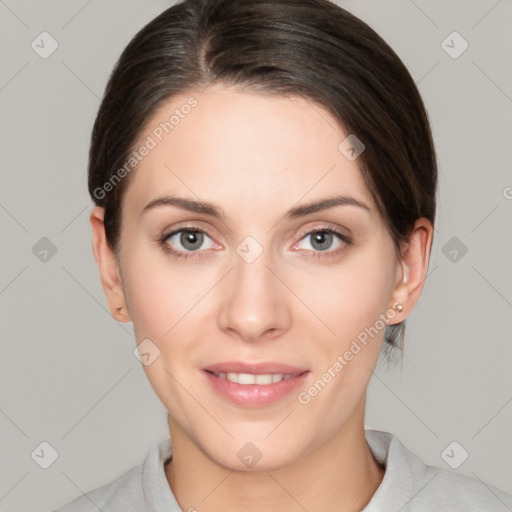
(247, 379)
(256, 385)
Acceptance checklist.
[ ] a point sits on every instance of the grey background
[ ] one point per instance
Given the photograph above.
(68, 373)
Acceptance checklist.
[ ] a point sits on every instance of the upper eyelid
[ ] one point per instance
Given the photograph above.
(326, 226)
(304, 231)
(186, 227)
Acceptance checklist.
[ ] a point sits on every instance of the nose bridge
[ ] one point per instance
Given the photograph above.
(253, 303)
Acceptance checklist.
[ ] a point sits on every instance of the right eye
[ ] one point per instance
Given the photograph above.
(183, 241)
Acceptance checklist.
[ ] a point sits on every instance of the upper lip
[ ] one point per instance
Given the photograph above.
(254, 368)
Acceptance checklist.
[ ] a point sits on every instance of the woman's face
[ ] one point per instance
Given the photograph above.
(296, 318)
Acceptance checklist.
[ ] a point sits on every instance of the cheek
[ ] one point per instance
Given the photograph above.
(350, 304)
(159, 293)
(351, 296)
(161, 299)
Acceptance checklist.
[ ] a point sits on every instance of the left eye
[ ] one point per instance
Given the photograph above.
(189, 240)
(322, 240)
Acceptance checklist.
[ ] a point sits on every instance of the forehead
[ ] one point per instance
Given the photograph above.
(222, 144)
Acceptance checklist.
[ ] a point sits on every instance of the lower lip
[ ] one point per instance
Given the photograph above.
(254, 395)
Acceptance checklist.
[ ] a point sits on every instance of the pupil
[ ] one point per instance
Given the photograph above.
(191, 240)
(322, 240)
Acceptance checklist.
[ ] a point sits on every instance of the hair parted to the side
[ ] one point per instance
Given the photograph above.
(311, 48)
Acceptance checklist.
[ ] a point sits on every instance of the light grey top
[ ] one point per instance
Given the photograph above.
(408, 485)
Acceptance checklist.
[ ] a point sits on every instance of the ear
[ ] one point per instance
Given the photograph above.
(412, 270)
(108, 266)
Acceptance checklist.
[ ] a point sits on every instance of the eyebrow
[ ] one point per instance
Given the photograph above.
(324, 204)
(218, 213)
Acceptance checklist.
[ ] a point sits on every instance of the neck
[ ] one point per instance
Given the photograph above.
(341, 474)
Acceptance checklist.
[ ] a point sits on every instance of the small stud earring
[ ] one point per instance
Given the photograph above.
(398, 307)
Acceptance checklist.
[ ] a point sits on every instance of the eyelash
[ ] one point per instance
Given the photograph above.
(328, 253)
(196, 254)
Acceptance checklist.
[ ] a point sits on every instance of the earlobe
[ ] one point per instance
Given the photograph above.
(414, 262)
(108, 266)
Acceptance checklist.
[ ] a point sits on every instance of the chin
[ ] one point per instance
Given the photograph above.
(240, 453)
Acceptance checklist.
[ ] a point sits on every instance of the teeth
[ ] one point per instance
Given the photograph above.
(249, 378)
(268, 379)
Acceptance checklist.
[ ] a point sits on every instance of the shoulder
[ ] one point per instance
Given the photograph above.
(121, 495)
(142, 487)
(411, 485)
(445, 491)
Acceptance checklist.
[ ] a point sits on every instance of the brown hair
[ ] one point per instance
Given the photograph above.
(311, 48)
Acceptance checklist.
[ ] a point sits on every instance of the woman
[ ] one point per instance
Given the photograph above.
(265, 179)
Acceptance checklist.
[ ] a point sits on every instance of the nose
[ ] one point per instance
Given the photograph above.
(255, 305)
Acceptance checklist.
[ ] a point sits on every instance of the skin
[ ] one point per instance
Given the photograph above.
(256, 157)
